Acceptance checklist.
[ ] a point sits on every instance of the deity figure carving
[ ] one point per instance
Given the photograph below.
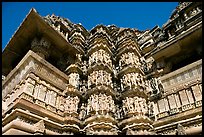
(71, 104)
(89, 107)
(144, 108)
(74, 79)
(132, 80)
(129, 59)
(61, 103)
(82, 113)
(118, 114)
(156, 86)
(100, 56)
(151, 108)
(135, 105)
(101, 102)
(99, 77)
(124, 106)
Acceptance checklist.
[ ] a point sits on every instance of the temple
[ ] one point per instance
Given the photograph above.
(60, 79)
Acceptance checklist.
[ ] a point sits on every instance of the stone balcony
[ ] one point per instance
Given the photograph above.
(182, 98)
(36, 85)
(33, 63)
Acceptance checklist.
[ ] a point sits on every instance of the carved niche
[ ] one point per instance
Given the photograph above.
(74, 79)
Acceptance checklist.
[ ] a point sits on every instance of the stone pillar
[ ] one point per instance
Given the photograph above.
(41, 47)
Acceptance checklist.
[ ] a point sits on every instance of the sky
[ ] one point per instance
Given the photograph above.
(138, 15)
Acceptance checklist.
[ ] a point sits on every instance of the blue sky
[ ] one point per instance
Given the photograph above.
(140, 15)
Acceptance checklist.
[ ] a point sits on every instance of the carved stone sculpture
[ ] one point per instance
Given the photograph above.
(39, 127)
(180, 130)
(74, 79)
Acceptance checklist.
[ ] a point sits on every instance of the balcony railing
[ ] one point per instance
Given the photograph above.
(182, 76)
(182, 90)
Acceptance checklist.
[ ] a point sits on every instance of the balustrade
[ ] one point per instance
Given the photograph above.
(180, 101)
(28, 82)
(178, 78)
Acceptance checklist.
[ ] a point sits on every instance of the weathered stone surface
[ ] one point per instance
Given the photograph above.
(106, 81)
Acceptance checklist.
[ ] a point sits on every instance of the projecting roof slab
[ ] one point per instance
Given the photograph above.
(32, 26)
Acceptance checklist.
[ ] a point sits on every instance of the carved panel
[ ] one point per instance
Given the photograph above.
(74, 79)
(99, 77)
(53, 98)
(50, 75)
(36, 90)
(71, 105)
(156, 109)
(29, 88)
(100, 56)
(200, 86)
(172, 101)
(42, 92)
(102, 103)
(178, 102)
(17, 77)
(184, 98)
(48, 96)
(166, 104)
(161, 106)
(132, 80)
(197, 93)
(129, 59)
(190, 96)
(135, 105)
